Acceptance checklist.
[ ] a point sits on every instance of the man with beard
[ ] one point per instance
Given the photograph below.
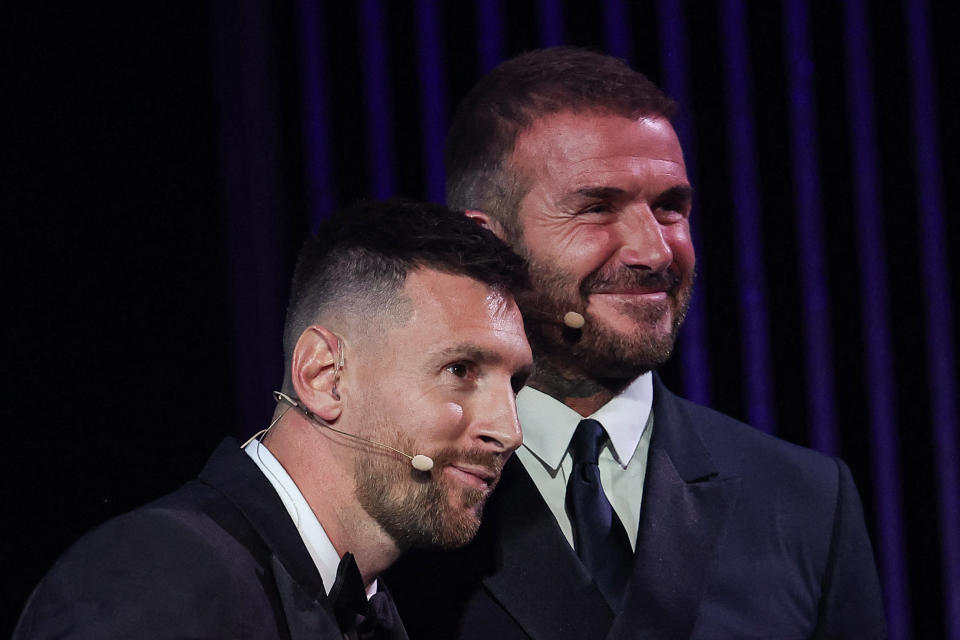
(628, 512)
(404, 351)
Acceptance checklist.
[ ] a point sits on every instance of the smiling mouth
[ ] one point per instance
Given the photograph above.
(476, 477)
(628, 283)
(633, 297)
(631, 292)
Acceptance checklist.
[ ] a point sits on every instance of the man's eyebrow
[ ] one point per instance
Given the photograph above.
(469, 351)
(681, 192)
(676, 192)
(597, 193)
(600, 192)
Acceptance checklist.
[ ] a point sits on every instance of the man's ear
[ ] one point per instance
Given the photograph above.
(315, 372)
(486, 221)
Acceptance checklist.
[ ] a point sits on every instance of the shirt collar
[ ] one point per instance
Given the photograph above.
(548, 424)
(315, 539)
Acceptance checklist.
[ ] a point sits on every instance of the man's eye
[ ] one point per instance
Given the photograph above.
(598, 207)
(458, 369)
(670, 214)
(672, 207)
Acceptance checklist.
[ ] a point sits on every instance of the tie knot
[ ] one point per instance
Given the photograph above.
(587, 440)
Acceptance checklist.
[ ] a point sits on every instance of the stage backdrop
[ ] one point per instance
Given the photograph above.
(168, 161)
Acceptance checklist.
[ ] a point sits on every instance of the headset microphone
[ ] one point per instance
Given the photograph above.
(574, 320)
(419, 461)
(570, 319)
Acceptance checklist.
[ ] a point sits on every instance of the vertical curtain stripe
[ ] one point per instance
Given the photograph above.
(377, 94)
(673, 56)
(817, 337)
(551, 23)
(758, 380)
(879, 361)
(489, 34)
(938, 312)
(433, 112)
(316, 129)
(616, 29)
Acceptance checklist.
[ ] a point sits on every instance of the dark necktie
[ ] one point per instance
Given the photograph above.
(598, 535)
(376, 619)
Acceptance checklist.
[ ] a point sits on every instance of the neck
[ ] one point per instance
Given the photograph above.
(356, 533)
(583, 394)
(324, 481)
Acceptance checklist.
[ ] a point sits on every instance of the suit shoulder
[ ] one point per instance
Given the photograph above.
(172, 558)
(192, 527)
(795, 482)
(740, 448)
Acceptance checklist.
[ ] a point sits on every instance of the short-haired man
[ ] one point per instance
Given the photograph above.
(628, 512)
(402, 343)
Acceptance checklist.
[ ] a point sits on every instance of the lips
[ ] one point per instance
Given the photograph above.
(636, 291)
(632, 283)
(476, 476)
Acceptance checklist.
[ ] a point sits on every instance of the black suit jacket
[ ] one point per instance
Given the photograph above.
(741, 536)
(218, 558)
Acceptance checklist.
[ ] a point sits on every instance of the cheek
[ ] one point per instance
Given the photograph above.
(449, 419)
(579, 253)
(454, 412)
(681, 244)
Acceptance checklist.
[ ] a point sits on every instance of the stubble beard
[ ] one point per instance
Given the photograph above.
(421, 509)
(598, 353)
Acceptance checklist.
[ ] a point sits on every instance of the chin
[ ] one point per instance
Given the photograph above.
(607, 353)
(632, 333)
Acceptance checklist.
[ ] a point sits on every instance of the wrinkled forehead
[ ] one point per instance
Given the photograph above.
(578, 136)
(573, 150)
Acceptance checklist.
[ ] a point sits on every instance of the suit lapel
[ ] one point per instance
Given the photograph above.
(538, 578)
(686, 505)
(273, 538)
(308, 618)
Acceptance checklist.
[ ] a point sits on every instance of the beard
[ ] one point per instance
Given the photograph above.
(598, 351)
(420, 509)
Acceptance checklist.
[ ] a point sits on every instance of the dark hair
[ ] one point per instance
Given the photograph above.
(360, 257)
(515, 94)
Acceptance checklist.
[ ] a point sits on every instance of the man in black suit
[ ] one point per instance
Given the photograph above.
(402, 345)
(628, 512)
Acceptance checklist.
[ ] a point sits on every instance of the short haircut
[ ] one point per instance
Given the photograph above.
(520, 91)
(358, 261)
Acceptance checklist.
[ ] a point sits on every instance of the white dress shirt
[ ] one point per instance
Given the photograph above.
(548, 426)
(324, 555)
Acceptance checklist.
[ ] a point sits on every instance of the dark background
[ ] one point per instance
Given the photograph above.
(163, 161)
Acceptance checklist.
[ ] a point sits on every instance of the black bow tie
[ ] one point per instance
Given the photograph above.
(376, 619)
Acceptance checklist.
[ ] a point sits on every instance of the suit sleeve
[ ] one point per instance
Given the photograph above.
(851, 606)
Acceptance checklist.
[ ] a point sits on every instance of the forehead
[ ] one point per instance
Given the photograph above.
(456, 308)
(569, 150)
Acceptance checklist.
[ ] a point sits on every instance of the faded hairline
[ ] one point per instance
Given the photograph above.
(496, 191)
(365, 318)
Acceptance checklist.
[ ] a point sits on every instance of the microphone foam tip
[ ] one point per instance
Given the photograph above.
(421, 462)
(574, 320)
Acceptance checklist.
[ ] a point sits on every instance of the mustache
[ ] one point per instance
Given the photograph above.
(627, 278)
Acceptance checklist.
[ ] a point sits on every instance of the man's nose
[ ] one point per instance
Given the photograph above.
(642, 241)
(497, 426)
